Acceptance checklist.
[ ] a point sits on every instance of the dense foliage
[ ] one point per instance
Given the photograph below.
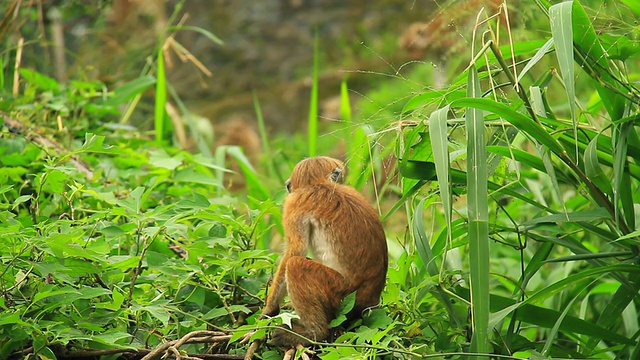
(115, 241)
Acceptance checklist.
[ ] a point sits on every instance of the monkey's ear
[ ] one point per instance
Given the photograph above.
(287, 184)
(336, 175)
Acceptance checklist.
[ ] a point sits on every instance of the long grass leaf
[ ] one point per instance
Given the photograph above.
(592, 58)
(256, 188)
(208, 34)
(522, 122)
(537, 103)
(426, 255)
(161, 98)
(542, 51)
(312, 135)
(478, 219)
(264, 137)
(129, 90)
(562, 33)
(439, 143)
(546, 318)
(622, 193)
(592, 167)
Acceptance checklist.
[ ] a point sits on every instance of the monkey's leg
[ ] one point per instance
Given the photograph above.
(315, 291)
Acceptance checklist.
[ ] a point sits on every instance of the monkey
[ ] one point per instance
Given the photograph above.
(346, 238)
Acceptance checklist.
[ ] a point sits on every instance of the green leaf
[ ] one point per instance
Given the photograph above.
(599, 214)
(546, 318)
(477, 199)
(542, 51)
(633, 5)
(377, 319)
(208, 34)
(593, 60)
(39, 80)
(130, 90)
(160, 158)
(562, 32)
(592, 167)
(522, 122)
(160, 114)
(312, 131)
(439, 142)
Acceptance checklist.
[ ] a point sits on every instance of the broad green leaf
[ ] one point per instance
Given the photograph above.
(55, 292)
(39, 80)
(160, 158)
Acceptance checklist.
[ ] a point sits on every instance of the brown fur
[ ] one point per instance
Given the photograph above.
(343, 232)
(442, 35)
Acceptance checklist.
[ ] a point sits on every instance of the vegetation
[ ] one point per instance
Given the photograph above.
(115, 241)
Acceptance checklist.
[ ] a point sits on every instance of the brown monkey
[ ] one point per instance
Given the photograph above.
(344, 234)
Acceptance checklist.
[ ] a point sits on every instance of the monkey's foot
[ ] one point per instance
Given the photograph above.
(286, 338)
(304, 355)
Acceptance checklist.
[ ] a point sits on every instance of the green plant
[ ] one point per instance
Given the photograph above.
(568, 205)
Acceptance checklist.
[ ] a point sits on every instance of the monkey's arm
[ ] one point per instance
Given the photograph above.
(297, 242)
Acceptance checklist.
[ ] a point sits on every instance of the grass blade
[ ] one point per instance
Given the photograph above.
(562, 33)
(439, 144)
(161, 98)
(312, 131)
(345, 114)
(478, 219)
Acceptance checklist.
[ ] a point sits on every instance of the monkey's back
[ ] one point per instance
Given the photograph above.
(345, 233)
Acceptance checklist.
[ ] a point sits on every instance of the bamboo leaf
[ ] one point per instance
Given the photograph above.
(592, 167)
(546, 318)
(562, 33)
(598, 214)
(542, 51)
(478, 219)
(622, 193)
(594, 60)
(439, 144)
(524, 123)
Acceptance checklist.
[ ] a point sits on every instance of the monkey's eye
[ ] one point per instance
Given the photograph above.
(287, 184)
(336, 175)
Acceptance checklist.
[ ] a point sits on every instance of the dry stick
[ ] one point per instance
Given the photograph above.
(252, 349)
(16, 73)
(206, 336)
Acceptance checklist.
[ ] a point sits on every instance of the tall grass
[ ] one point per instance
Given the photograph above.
(562, 195)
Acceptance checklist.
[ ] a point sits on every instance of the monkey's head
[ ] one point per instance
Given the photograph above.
(315, 170)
